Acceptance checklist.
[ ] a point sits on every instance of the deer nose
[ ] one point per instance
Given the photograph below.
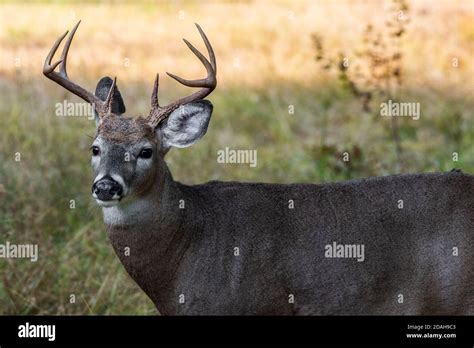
(107, 189)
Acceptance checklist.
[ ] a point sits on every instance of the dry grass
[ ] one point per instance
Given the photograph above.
(270, 39)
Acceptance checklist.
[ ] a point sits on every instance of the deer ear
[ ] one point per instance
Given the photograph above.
(102, 91)
(186, 125)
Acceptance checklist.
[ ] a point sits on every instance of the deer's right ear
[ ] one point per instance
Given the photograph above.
(102, 90)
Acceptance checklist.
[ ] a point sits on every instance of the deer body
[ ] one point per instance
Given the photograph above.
(408, 251)
(390, 245)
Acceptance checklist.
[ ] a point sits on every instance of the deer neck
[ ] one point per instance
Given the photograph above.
(153, 206)
(150, 238)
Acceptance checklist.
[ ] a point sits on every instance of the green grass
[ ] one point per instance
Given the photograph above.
(75, 255)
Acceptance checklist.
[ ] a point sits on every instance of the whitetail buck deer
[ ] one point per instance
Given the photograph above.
(387, 245)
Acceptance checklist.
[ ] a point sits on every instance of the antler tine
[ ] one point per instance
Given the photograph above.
(207, 84)
(204, 61)
(62, 79)
(154, 96)
(62, 68)
(47, 67)
(212, 57)
(109, 99)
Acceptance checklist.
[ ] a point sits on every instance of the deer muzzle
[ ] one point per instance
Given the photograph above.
(107, 190)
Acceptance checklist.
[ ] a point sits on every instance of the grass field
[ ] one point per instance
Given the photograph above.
(266, 63)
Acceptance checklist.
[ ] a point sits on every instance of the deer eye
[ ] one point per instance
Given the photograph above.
(145, 153)
(95, 150)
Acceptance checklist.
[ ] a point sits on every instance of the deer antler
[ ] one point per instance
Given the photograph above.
(159, 113)
(103, 108)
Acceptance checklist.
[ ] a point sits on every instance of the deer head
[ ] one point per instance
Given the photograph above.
(128, 153)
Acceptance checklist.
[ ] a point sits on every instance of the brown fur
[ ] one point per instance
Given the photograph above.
(122, 129)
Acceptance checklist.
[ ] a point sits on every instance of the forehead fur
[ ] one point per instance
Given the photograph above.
(121, 129)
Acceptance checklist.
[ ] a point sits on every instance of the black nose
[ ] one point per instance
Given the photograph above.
(106, 188)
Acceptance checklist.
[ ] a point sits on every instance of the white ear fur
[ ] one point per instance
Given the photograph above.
(186, 125)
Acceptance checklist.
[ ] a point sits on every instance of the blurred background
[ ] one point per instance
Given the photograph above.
(299, 81)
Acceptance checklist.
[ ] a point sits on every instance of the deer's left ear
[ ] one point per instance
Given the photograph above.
(186, 125)
(102, 91)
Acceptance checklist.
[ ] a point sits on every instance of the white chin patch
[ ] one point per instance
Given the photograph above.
(107, 204)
